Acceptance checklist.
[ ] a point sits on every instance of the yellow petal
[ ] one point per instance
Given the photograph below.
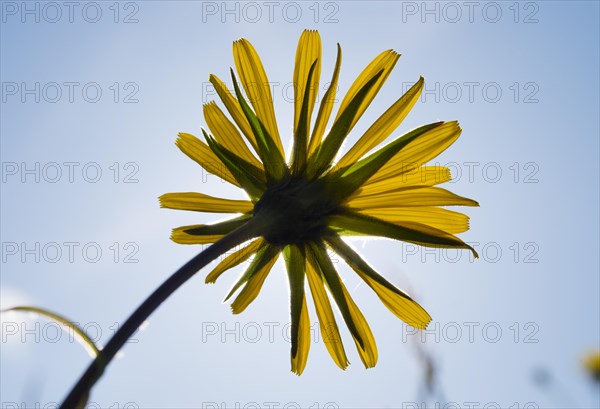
(368, 354)
(384, 126)
(384, 61)
(410, 197)
(234, 259)
(256, 84)
(420, 151)
(299, 361)
(326, 106)
(396, 300)
(359, 224)
(405, 309)
(309, 50)
(329, 329)
(443, 219)
(368, 350)
(234, 109)
(208, 233)
(227, 134)
(252, 287)
(423, 176)
(203, 203)
(199, 152)
(179, 236)
(295, 264)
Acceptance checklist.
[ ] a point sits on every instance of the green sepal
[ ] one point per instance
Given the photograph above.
(295, 260)
(275, 165)
(333, 282)
(263, 256)
(350, 222)
(324, 102)
(250, 178)
(221, 228)
(299, 149)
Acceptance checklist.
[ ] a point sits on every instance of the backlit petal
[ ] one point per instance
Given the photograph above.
(308, 51)
(326, 106)
(199, 152)
(384, 126)
(411, 196)
(420, 151)
(422, 176)
(203, 203)
(227, 134)
(206, 233)
(256, 84)
(384, 61)
(303, 340)
(443, 219)
(349, 223)
(234, 259)
(295, 262)
(234, 109)
(396, 300)
(329, 329)
(363, 337)
(254, 278)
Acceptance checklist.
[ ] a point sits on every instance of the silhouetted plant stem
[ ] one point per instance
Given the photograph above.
(80, 391)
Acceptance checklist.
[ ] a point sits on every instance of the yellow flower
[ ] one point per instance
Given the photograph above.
(303, 205)
(592, 364)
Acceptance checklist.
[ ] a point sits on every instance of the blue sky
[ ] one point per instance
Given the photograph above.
(93, 95)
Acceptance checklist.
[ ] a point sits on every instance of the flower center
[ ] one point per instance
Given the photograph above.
(295, 211)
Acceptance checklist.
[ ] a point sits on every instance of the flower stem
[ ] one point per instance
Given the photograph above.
(80, 391)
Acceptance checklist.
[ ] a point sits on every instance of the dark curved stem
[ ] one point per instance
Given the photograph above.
(95, 370)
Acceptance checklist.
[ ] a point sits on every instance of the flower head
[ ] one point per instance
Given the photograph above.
(303, 205)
